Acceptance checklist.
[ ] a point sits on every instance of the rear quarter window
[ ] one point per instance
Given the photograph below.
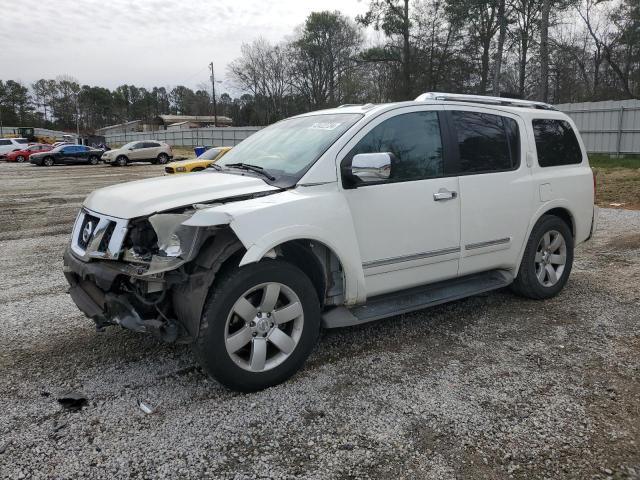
(556, 143)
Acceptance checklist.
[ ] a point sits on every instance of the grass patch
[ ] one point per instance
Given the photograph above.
(606, 161)
(618, 180)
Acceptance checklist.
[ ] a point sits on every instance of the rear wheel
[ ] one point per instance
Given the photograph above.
(122, 161)
(547, 260)
(20, 158)
(163, 158)
(48, 162)
(259, 325)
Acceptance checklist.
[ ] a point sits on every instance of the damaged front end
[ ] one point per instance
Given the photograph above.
(142, 274)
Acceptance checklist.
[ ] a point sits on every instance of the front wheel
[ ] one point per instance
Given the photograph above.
(259, 325)
(20, 158)
(122, 161)
(48, 162)
(547, 260)
(93, 160)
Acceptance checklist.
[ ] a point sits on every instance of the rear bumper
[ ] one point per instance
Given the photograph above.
(594, 222)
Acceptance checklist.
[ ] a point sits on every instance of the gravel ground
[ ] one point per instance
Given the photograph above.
(494, 386)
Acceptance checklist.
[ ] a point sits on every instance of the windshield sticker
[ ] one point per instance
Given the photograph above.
(325, 125)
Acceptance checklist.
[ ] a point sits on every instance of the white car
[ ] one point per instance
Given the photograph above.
(139, 151)
(336, 218)
(8, 145)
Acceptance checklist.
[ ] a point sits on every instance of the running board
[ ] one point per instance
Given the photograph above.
(417, 298)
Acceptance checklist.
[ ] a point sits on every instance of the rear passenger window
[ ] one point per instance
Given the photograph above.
(556, 143)
(5, 142)
(413, 139)
(486, 143)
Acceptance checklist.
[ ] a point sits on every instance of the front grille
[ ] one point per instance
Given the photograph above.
(87, 230)
(98, 236)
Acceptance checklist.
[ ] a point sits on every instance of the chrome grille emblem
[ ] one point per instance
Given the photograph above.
(87, 231)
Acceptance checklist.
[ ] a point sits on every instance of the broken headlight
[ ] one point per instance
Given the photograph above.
(162, 242)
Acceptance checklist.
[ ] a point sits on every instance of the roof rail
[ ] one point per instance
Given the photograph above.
(457, 97)
(349, 105)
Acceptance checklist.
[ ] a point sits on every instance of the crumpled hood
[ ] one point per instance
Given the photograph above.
(145, 197)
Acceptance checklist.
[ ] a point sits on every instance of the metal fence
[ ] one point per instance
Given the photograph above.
(218, 137)
(607, 127)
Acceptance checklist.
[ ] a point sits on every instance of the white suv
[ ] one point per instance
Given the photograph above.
(8, 145)
(336, 218)
(143, 151)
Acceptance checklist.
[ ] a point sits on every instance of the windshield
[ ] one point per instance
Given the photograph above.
(210, 154)
(286, 149)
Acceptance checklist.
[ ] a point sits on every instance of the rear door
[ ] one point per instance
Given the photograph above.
(496, 186)
(152, 150)
(138, 152)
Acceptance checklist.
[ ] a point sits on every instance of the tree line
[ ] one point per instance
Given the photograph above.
(555, 51)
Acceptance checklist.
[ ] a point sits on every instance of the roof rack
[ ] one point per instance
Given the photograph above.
(457, 97)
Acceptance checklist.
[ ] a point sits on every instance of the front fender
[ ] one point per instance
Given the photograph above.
(353, 272)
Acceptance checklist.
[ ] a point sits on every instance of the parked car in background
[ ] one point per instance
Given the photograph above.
(197, 164)
(8, 145)
(24, 154)
(337, 218)
(57, 144)
(139, 151)
(67, 154)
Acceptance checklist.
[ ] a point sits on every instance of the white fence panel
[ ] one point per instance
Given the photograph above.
(607, 127)
(192, 137)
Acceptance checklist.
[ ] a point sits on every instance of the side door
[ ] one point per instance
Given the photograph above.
(82, 154)
(66, 154)
(137, 152)
(152, 150)
(408, 226)
(496, 186)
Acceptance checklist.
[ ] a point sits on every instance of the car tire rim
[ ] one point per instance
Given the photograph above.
(20, 158)
(48, 162)
(551, 258)
(264, 327)
(163, 159)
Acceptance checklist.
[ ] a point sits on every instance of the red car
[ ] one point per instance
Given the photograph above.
(24, 154)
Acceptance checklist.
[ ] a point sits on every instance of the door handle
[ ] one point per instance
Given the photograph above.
(444, 194)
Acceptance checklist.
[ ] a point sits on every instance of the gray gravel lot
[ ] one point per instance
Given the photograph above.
(494, 386)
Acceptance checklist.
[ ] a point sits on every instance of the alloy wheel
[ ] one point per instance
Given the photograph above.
(264, 327)
(551, 257)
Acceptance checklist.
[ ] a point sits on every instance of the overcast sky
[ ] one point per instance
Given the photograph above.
(143, 42)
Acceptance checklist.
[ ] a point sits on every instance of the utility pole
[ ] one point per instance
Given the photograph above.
(77, 118)
(213, 96)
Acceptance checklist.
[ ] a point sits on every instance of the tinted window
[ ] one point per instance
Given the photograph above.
(486, 143)
(5, 142)
(151, 145)
(22, 140)
(556, 143)
(413, 139)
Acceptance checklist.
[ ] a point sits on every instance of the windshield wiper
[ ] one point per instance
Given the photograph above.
(216, 167)
(251, 168)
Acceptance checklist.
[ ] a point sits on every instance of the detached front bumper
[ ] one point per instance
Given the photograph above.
(99, 289)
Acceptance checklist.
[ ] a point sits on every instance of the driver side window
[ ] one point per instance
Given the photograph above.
(414, 141)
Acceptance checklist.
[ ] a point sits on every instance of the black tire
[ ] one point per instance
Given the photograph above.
(197, 169)
(93, 160)
(527, 283)
(48, 162)
(210, 347)
(20, 158)
(162, 158)
(122, 161)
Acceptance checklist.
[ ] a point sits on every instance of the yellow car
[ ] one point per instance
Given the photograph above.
(196, 164)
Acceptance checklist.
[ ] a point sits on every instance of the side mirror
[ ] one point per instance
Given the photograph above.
(372, 167)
